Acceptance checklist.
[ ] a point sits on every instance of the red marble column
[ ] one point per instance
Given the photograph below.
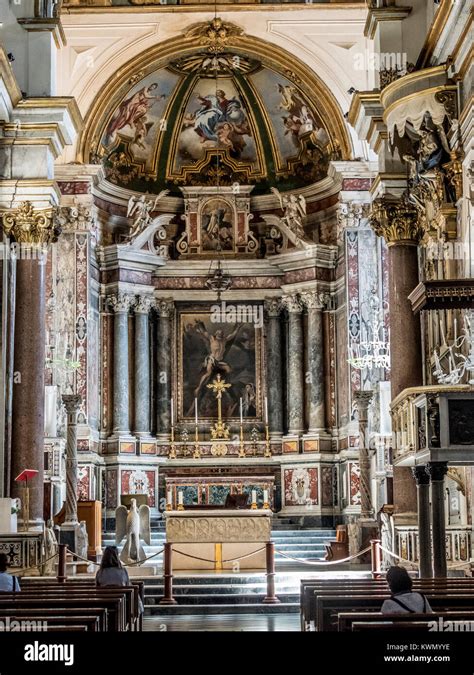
(28, 384)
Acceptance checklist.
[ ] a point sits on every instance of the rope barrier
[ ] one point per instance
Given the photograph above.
(41, 564)
(394, 555)
(228, 560)
(329, 562)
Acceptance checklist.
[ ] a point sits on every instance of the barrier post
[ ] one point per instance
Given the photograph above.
(62, 563)
(375, 558)
(270, 598)
(167, 598)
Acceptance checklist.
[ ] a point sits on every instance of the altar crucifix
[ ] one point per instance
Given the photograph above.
(220, 431)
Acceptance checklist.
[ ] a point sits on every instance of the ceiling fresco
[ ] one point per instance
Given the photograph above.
(208, 119)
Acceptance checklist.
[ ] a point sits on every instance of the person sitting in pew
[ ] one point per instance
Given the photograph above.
(403, 599)
(8, 582)
(111, 572)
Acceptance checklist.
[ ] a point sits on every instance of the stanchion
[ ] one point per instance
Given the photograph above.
(62, 563)
(167, 598)
(270, 598)
(375, 559)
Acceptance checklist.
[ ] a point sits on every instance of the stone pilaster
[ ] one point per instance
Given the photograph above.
(437, 472)
(121, 303)
(315, 361)
(164, 308)
(362, 400)
(273, 308)
(422, 479)
(295, 364)
(142, 366)
(33, 231)
(72, 403)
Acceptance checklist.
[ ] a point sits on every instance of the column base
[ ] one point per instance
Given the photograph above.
(290, 443)
(317, 440)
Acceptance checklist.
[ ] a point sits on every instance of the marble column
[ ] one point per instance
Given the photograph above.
(273, 308)
(397, 222)
(72, 404)
(422, 479)
(121, 303)
(142, 366)
(32, 231)
(164, 309)
(362, 400)
(315, 363)
(295, 364)
(437, 472)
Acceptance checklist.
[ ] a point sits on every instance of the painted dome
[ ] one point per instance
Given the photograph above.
(208, 119)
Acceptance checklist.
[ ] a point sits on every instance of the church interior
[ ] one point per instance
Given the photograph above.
(237, 311)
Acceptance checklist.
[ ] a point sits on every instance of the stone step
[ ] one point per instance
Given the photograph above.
(221, 599)
(219, 589)
(253, 608)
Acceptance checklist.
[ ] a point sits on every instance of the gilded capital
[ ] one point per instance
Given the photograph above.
(29, 226)
(398, 222)
(312, 299)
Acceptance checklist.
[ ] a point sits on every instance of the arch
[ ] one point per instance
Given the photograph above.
(274, 57)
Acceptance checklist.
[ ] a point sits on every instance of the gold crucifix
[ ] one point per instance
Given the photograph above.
(218, 386)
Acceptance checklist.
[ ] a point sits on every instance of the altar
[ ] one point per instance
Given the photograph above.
(218, 539)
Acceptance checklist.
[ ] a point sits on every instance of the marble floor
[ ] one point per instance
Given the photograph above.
(283, 622)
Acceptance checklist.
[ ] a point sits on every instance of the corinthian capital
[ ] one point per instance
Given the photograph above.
(29, 226)
(143, 304)
(293, 303)
(72, 402)
(164, 307)
(397, 221)
(273, 306)
(121, 302)
(312, 299)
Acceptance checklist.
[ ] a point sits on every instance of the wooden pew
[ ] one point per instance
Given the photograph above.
(329, 606)
(115, 604)
(94, 619)
(311, 586)
(350, 621)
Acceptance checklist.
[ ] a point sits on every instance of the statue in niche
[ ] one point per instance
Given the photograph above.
(294, 211)
(140, 209)
(134, 525)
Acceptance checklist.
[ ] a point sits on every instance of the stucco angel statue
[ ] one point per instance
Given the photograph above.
(294, 208)
(140, 209)
(134, 525)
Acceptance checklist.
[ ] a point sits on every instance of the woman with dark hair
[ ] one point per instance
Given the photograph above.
(403, 599)
(8, 582)
(111, 572)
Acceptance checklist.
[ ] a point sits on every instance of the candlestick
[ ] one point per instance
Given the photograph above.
(172, 452)
(169, 501)
(241, 446)
(196, 411)
(268, 449)
(254, 500)
(265, 499)
(180, 501)
(241, 411)
(266, 410)
(196, 453)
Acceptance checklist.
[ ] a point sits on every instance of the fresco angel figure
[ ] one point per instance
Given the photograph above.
(294, 208)
(133, 112)
(299, 113)
(140, 209)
